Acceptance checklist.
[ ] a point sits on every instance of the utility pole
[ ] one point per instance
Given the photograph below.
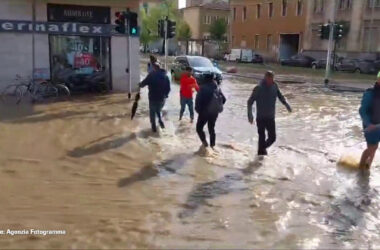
(166, 41)
(33, 39)
(129, 57)
(330, 45)
(371, 26)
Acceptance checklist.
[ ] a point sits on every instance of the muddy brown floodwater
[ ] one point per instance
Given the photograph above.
(84, 167)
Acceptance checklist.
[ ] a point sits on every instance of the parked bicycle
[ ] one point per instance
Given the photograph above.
(34, 90)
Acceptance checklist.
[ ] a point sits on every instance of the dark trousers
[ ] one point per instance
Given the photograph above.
(270, 126)
(204, 118)
(190, 104)
(155, 108)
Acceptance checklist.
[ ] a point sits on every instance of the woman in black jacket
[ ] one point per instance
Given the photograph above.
(208, 104)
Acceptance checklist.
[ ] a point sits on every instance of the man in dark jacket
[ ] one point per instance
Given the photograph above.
(265, 94)
(370, 114)
(207, 114)
(159, 87)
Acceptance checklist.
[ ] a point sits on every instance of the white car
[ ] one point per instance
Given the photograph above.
(240, 55)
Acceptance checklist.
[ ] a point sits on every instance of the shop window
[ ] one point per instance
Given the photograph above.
(76, 60)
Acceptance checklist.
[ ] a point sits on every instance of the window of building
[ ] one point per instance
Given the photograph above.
(257, 41)
(208, 19)
(270, 9)
(205, 19)
(284, 7)
(322, 5)
(234, 14)
(341, 4)
(258, 11)
(269, 42)
(243, 42)
(244, 13)
(373, 3)
(348, 4)
(299, 7)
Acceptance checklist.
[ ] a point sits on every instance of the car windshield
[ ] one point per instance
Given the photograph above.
(200, 62)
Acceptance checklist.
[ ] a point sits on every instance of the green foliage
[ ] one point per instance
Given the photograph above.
(184, 31)
(149, 22)
(218, 29)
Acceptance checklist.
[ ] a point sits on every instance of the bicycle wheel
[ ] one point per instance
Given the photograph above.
(63, 90)
(12, 94)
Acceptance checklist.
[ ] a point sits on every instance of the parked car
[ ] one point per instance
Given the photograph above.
(368, 66)
(257, 58)
(348, 64)
(244, 55)
(321, 63)
(298, 60)
(200, 65)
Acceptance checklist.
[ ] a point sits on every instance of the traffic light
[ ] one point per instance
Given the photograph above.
(133, 24)
(324, 31)
(120, 22)
(161, 28)
(338, 31)
(171, 26)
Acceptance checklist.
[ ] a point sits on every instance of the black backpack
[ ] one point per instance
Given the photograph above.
(216, 104)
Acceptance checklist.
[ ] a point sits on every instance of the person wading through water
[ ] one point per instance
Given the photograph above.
(188, 84)
(152, 61)
(208, 104)
(265, 94)
(159, 87)
(370, 113)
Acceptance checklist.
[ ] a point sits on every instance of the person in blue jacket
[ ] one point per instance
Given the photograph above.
(370, 113)
(159, 87)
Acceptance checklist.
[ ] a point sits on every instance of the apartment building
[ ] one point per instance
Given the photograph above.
(362, 18)
(274, 28)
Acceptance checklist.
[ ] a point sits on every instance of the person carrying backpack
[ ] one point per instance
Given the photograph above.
(208, 104)
(265, 95)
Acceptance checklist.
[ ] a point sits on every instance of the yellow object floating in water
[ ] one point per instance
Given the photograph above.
(349, 161)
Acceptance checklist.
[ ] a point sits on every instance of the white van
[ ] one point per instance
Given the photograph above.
(239, 55)
(234, 56)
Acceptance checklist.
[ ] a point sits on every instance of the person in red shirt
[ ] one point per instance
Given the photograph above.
(188, 84)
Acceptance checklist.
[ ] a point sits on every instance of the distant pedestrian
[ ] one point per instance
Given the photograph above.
(159, 88)
(265, 94)
(152, 61)
(370, 114)
(188, 85)
(208, 104)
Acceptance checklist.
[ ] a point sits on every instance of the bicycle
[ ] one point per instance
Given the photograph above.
(14, 93)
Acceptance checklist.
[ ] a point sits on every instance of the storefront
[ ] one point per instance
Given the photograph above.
(67, 42)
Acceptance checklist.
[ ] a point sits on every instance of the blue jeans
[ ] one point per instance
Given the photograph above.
(189, 103)
(155, 108)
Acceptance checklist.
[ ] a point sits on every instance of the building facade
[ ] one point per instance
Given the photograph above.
(200, 17)
(362, 18)
(59, 38)
(274, 28)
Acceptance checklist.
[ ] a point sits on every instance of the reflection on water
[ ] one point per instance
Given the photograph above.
(85, 167)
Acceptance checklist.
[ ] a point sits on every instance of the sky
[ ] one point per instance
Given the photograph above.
(181, 3)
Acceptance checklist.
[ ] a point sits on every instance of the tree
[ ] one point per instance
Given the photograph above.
(184, 33)
(218, 30)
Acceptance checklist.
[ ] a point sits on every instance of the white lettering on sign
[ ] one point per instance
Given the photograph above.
(77, 13)
(7, 26)
(84, 29)
(56, 28)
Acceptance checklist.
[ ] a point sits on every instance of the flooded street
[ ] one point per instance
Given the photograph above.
(83, 166)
